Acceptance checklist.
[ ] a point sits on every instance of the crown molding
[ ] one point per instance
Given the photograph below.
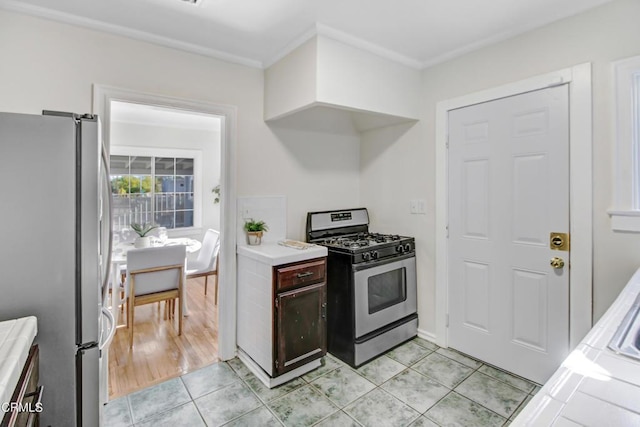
(324, 30)
(296, 43)
(348, 39)
(317, 30)
(499, 37)
(41, 12)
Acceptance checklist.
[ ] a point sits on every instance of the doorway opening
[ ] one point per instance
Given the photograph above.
(578, 79)
(164, 166)
(226, 312)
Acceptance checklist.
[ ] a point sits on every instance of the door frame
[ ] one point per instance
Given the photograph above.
(102, 97)
(580, 193)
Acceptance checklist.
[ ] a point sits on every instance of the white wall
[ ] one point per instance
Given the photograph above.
(290, 83)
(48, 65)
(600, 36)
(354, 78)
(206, 142)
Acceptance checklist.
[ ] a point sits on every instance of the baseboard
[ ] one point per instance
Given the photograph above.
(429, 336)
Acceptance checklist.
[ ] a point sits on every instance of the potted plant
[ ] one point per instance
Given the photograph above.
(216, 192)
(142, 241)
(254, 231)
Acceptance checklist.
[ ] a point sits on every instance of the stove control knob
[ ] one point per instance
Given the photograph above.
(374, 254)
(407, 247)
(399, 249)
(366, 256)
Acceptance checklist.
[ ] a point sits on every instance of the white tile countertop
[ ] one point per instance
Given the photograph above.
(594, 386)
(275, 254)
(16, 337)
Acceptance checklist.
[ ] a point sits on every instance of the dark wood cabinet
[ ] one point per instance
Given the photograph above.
(26, 400)
(300, 308)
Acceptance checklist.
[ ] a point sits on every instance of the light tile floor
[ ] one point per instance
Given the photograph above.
(417, 384)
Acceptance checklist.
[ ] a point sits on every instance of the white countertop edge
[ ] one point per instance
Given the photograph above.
(582, 363)
(14, 351)
(274, 254)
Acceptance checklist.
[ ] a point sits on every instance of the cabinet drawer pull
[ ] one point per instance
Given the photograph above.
(303, 275)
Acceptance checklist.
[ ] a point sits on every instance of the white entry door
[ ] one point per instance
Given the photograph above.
(508, 190)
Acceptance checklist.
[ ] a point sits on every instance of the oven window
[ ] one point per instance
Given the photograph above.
(387, 289)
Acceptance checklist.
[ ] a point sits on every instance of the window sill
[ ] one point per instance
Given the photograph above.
(625, 220)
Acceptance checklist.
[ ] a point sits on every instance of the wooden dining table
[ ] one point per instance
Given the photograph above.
(119, 261)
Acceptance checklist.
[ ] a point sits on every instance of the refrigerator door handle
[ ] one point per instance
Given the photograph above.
(112, 328)
(107, 198)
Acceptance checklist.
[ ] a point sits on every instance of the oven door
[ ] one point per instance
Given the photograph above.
(385, 291)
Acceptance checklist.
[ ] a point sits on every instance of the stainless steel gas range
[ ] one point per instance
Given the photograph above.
(371, 285)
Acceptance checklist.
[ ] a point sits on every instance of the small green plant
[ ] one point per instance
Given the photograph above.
(253, 226)
(216, 192)
(143, 229)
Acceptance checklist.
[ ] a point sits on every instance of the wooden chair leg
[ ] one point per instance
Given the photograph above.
(206, 278)
(126, 304)
(215, 278)
(130, 319)
(180, 316)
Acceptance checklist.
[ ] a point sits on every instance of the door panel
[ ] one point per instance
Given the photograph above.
(530, 309)
(476, 198)
(508, 189)
(301, 327)
(529, 225)
(476, 295)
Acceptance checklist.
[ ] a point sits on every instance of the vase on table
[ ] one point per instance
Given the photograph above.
(142, 242)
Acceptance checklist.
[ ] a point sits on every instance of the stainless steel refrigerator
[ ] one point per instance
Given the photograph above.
(54, 251)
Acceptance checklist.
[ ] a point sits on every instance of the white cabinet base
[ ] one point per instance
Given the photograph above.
(281, 379)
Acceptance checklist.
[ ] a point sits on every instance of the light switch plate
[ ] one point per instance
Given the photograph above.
(418, 206)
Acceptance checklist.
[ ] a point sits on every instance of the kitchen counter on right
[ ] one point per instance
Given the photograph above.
(594, 386)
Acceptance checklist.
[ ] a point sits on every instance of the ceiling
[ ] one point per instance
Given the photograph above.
(417, 33)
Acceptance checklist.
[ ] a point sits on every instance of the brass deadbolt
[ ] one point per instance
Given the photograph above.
(559, 241)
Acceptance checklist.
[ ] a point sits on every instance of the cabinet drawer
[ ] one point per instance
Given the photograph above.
(300, 274)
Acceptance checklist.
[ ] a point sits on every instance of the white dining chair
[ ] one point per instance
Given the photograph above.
(154, 274)
(207, 262)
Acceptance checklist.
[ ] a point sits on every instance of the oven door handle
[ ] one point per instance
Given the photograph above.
(378, 262)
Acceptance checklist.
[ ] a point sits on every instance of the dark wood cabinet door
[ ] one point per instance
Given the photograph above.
(301, 326)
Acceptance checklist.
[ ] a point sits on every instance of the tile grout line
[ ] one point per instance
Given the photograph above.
(341, 408)
(490, 376)
(193, 400)
(262, 402)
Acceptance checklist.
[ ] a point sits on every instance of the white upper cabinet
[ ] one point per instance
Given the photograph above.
(326, 81)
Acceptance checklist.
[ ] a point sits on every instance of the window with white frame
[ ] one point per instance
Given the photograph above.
(153, 189)
(626, 213)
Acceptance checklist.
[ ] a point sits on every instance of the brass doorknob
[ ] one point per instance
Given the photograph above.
(557, 262)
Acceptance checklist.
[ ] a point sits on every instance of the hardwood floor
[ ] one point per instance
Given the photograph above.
(158, 352)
